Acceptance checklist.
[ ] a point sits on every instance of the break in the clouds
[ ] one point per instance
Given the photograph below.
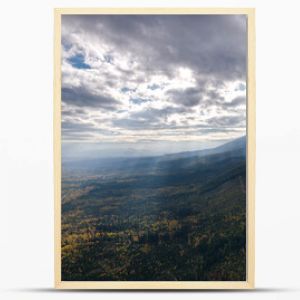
(163, 82)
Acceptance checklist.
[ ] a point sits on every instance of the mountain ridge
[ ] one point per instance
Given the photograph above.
(234, 148)
(239, 143)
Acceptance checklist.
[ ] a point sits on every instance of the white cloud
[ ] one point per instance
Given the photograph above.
(150, 80)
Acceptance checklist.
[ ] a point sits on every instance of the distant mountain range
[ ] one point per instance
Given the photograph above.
(164, 163)
(232, 146)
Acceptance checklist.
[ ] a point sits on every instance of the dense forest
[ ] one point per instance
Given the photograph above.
(173, 217)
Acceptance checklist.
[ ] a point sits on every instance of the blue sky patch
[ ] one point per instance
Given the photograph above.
(77, 61)
(126, 89)
(153, 86)
(241, 87)
(138, 100)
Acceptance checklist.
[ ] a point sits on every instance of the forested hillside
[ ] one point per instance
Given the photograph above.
(177, 217)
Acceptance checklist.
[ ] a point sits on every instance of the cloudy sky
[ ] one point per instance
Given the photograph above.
(152, 84)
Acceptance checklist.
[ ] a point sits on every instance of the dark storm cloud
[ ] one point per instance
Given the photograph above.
(155, 113)
(77, 135)
(75, 126)
(188, 97)
(152, 115)
(235, 102)
(81, 96)
(215, 99)
(213, 125)
(72, 112)
(72, 127)
(214, 45)
(227, 121)
(191, 97)
(214, 96)
(142, 124)
(150, 118)
(133, 124)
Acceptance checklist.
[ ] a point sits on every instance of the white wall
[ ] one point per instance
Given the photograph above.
(26, 168)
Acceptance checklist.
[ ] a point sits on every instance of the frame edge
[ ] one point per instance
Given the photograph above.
(152, 285)
(57, 146)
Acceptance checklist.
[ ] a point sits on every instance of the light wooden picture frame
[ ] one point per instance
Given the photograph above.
(248, 283)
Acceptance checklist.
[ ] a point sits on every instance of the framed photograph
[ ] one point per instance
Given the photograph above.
(154, 148)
